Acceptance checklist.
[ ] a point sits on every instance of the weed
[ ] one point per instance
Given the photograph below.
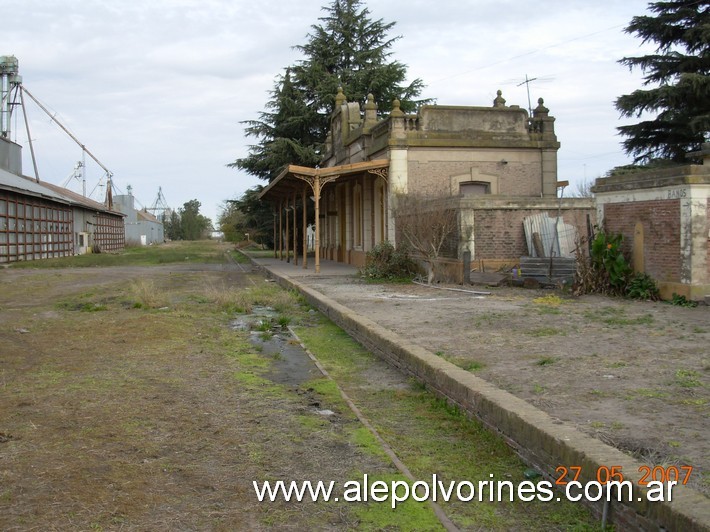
(648, 393)
(284, 321)
(538, 389)
(148, 295)
(465, 364)
(263, 325)
(681, 301)
(546, 361)
(473, 366)
(363, 438)
(550, 300)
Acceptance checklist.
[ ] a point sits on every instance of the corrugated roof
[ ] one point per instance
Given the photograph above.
(30, 187)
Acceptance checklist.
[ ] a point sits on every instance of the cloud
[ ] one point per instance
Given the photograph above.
(158, 90)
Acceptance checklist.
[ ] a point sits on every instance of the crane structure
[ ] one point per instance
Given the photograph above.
(160, 205)
(12, 90)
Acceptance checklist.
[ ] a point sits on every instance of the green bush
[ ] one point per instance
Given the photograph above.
(608, 257)
(385, 262)
(681, 301)
(642, 286)
(606, 270)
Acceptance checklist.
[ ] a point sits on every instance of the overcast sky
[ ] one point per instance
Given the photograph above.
(157, 89)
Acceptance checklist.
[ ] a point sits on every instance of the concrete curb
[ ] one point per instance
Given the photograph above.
(540, 440)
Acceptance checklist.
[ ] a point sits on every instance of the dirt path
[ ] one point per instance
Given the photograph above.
(633, 374)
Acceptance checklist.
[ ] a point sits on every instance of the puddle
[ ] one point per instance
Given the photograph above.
(259, 317)
(291, 364)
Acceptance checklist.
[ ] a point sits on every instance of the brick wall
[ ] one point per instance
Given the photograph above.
(499, 233)
(514, 179)
(661, 229)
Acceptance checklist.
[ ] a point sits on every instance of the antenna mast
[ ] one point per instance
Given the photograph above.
(527, 87)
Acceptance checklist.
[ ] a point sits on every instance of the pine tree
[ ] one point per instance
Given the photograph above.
(287, 131)
(679, 74)
(349, 50)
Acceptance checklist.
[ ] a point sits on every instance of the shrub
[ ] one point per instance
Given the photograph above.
(642, 286)
(384, 261)
(681, 301)
(606, 270)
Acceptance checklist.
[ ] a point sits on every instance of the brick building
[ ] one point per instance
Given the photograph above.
(39, 220)
(664, 217)
(492, 165)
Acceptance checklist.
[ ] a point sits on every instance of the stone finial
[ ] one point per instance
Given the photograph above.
(540, 110)
(396, 111)
(499, 101)
(370, 111)
(340, 98)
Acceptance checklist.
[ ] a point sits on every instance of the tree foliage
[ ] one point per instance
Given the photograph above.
(678, 77)
(248, 215)
(346, 49)
(187, 223)
(288, 133)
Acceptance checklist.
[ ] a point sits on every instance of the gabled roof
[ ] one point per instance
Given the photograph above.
(287, 182)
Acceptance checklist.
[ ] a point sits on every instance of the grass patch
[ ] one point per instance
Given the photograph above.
(147, 295)
(550, 300)
(687, 378)
(616, 317)
(174, 252)
(429, 436)
(647, 393)
(545, 331)
(463, 363)
(545, 361)
(365, 440)
(409, 515)
(241, 300)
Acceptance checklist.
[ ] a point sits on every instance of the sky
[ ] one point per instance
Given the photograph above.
(158, 90)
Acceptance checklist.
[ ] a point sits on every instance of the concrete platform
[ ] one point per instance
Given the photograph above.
(543, 442)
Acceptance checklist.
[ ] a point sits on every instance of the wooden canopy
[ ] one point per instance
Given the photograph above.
(293, 179)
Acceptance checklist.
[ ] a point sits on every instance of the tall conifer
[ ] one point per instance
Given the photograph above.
(679, 79)
(347, 49)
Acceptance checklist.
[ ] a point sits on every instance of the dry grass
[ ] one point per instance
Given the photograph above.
(243, 300)
(147, 295)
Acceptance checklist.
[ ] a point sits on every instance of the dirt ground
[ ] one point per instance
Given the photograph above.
(132, 399)
(633, 374)
(117, 417)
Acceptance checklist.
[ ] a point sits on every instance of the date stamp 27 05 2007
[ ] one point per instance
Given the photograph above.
(605, 474)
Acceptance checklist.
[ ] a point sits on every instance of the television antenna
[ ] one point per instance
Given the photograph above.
(527, 81)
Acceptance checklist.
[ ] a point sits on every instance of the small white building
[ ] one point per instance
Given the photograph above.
(142, 227)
